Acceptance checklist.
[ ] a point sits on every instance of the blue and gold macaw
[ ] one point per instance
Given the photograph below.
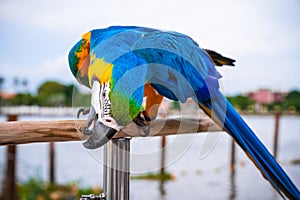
(124, 64)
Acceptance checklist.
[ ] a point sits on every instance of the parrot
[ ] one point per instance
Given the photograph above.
(124, 65)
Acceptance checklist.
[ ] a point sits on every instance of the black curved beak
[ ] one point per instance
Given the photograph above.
(101, 134)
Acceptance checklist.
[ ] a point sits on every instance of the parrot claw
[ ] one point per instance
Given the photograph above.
(143, 122)
(92, 117)
(146, 131)
(84, 111)
(100, 135)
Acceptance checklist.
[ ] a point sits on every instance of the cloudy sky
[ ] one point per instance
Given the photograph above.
(262, 35)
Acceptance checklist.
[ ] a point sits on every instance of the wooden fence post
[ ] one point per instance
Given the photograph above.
(232, 161)
(276, 134)
(162, 164)
(52, 162)
(9, 190)
(163, 155)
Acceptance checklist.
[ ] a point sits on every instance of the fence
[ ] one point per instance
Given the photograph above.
(116, 152)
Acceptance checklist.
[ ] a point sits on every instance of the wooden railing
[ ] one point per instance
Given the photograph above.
(116, 153)
(115, 171)
(20, 132)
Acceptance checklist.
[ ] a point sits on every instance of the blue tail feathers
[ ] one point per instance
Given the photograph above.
(232, 122)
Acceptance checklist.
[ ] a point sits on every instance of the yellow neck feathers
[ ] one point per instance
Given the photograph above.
(99, 69)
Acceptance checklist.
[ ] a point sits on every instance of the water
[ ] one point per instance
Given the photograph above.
(195, 177)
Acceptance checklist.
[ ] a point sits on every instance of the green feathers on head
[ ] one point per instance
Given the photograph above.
(73, 59)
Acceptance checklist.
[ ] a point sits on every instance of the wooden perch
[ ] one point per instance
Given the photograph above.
(21, 132)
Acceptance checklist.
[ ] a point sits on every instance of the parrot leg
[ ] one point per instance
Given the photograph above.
(84, 111)
(143, 122)
(92, 114)
(153, 101)
(92, 117)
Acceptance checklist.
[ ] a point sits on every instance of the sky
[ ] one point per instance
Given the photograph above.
(263, 36)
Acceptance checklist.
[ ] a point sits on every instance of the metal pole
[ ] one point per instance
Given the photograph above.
(123, 168)
(116, 169)
(232, 161)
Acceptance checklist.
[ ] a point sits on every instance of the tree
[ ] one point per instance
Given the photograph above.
(80, 99)
(51, 87)
(241, 102)
(292, 100)
(69, 93)
(2, 80)
(22, 99)
(52, 93)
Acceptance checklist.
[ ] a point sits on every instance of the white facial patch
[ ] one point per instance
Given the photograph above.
(102, 104)
(100, 99)
(95, 101)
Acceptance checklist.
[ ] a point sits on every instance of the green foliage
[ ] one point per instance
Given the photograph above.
(241, 102)
(275, 106)
(68, 94)
(37, 189)
(175, 105)
(2, 80)
(31, 189)
(291, 103)
(80, 99)
(22, 99)
(51, 87)
(52, 93)
(292, 100)
(152, 176)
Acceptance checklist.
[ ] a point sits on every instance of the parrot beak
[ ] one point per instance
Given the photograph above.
(101, 134)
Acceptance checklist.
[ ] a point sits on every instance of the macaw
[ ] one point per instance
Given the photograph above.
(124, 64)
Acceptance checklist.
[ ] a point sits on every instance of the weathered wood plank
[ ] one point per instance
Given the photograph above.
(21, 132)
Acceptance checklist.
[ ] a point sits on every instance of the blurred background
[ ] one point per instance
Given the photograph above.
(262, 36)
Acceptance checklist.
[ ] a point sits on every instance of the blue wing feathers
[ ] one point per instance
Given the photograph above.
(172, 49)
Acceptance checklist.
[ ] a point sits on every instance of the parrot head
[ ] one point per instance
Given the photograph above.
(112, 105)
(101, 126)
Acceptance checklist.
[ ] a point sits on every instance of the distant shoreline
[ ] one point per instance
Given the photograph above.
(71, 111)
(268, 113)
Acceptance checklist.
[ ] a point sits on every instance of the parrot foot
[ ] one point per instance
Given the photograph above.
(92, 117)
(143, 122)
(83, 111)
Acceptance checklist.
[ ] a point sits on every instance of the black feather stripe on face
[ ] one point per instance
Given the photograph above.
(105, 100)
